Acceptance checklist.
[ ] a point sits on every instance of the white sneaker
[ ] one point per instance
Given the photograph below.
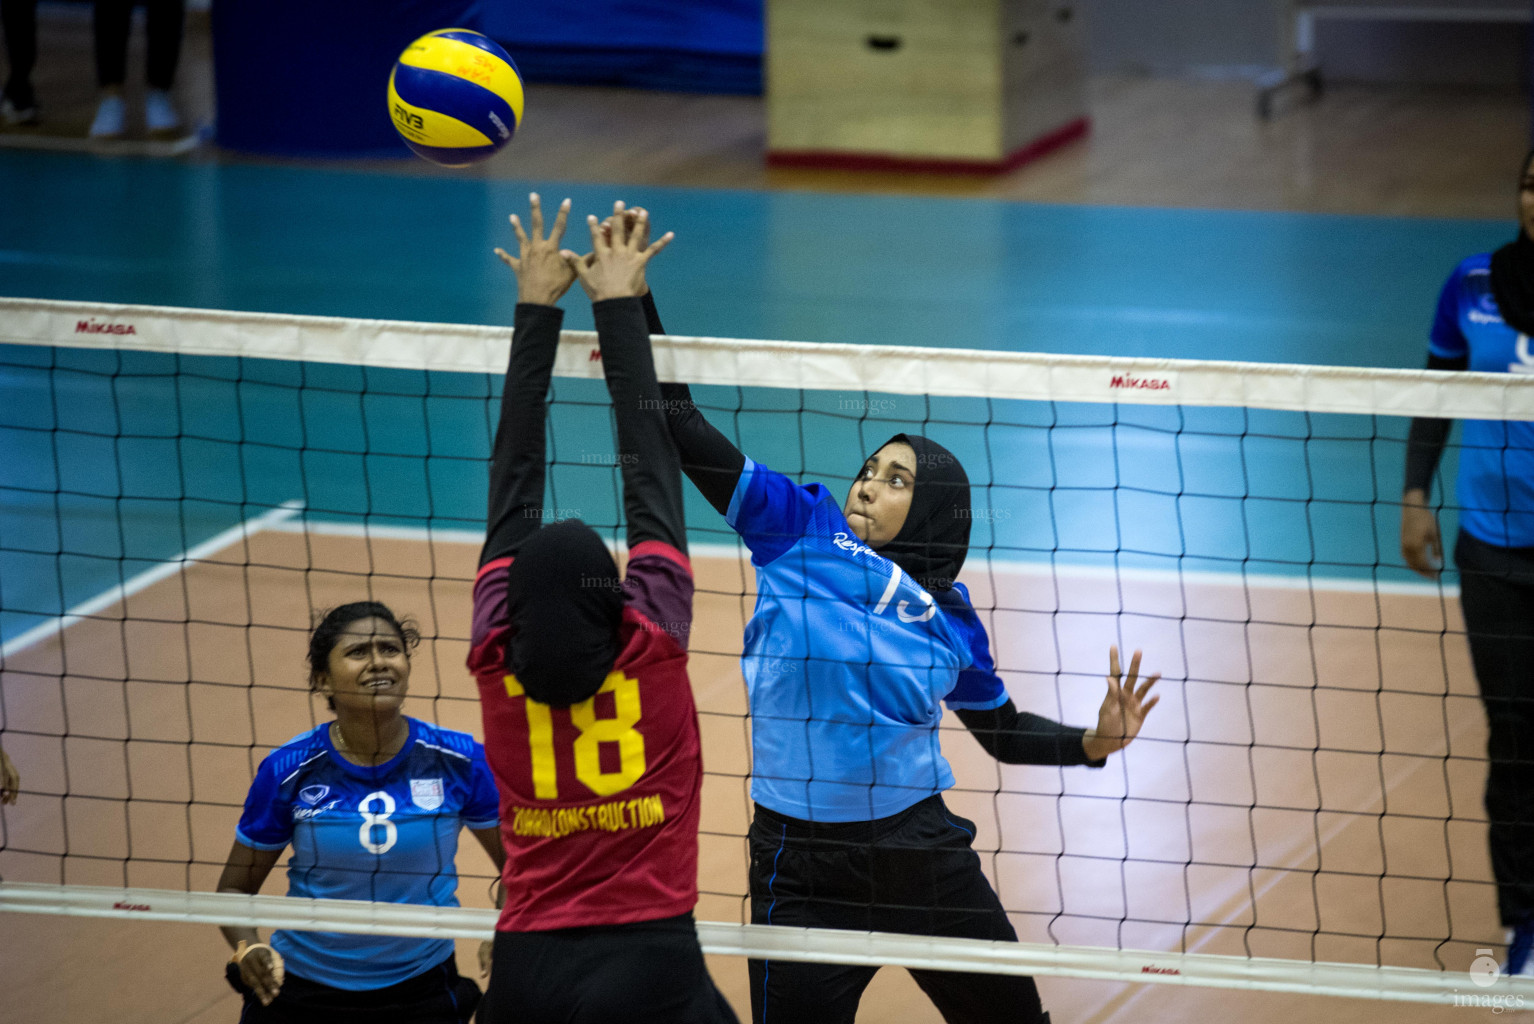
(111, 118)
(12, 115)
(159, 113)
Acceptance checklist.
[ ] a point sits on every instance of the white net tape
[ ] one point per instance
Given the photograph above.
(817, 945)
(781, 364)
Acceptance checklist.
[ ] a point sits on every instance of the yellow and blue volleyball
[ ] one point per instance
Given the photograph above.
(455, 97)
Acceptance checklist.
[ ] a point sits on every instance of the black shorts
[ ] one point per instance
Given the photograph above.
(438, 996)
(912, 873)
(651, 972)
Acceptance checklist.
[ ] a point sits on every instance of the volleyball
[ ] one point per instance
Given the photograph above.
(455, 97)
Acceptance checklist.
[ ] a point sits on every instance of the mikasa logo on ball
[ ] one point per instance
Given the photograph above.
(426, 793)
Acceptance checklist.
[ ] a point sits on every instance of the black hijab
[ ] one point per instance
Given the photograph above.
(1512, 274)
(564, 602)
(934, 539)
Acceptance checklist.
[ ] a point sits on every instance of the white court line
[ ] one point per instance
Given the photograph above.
(148, 578)
(1267, 581)
(117, 147)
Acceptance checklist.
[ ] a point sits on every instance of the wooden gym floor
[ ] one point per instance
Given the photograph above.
(1371, 151)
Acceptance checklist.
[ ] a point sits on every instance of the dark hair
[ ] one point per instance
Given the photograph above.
(331, 624)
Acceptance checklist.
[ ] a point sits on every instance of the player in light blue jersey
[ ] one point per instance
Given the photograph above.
(1484, 320)
(371, 804)
(860, 635)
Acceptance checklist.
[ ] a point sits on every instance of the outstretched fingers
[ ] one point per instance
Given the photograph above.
(535, 208)
(1114, 671)
(579, 265)
(659, 244)
(522, 239)
(620, 223)
(561, 218)
(600, 242)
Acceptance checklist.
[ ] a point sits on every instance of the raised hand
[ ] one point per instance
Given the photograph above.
(1123, 711)
(631, 219)
(543, 275)
(620, 251)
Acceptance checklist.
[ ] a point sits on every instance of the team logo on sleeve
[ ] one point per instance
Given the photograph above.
(312, 795)
(427, 794)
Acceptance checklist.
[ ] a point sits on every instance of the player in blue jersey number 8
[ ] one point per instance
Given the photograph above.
(860, 635)
(372, 804)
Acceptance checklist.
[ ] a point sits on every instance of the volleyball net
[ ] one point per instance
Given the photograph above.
(1302, 813)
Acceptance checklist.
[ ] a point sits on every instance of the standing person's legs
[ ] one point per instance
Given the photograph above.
(167, 22)
(807, 881)
(928, 881)
(912, 873)
(438, 995)
(1497, 596)
(650, 972)
(18, 18)
(112, 19)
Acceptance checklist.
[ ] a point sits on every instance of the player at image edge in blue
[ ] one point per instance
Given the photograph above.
(1484, 320)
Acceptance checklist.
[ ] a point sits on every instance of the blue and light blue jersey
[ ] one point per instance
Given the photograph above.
(847, 661)
(1495, 489)
(387, 833)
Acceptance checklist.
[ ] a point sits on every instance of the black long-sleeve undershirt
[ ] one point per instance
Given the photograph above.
(517, 457)
(1426, 439)
(647, 455)
(714, 466)
(710, 461)
(652, 482)
(1019, 737)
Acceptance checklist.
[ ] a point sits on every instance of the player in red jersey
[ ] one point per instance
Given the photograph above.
(590, 727)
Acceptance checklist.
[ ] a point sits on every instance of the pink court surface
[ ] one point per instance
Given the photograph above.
(1309, 787)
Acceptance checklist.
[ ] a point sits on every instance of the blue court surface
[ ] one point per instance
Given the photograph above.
(114, 463)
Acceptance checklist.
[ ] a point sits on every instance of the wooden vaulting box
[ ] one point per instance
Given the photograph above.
(960, 85)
